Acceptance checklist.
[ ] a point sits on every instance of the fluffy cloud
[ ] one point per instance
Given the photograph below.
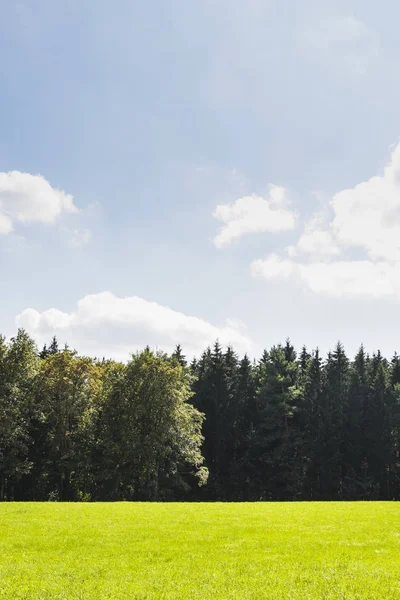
(104, 324)
(26, 199)
(273, 267)
(340, 278)
(254, 214)
(315, 243)
(6, 225)
(352, 278)
(365, 218)
(368, 215)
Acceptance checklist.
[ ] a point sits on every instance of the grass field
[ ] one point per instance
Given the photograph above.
(173, 551)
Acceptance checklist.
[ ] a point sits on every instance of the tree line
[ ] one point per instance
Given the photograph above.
(284, 427)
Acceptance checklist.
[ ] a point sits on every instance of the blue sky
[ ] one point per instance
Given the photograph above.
(220, 157)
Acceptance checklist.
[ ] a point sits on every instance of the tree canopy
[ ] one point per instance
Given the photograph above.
(224, 427)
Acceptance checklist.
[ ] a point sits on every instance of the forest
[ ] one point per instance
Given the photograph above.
(288, 426)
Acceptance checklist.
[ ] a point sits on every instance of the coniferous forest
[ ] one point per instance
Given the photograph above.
(285, 427)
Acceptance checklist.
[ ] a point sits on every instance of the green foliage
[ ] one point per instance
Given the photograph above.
(151, 435)
(18, 367)
(73, 428)
(286, 427)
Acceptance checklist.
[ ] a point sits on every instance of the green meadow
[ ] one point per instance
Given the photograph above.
(171, 551)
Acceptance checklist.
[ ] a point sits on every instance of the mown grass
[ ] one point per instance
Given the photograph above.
(173, 551)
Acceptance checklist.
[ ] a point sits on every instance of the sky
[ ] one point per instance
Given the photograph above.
(180, 172)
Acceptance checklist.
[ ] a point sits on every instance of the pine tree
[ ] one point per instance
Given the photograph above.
(179, 356)
(374, 428)
(356, 481)
(44, 352)
(311, 425)
(216, 398)
(53, 348)
(243, 473)
(304, 364)
(395, 370)
(277, 433)
(335, 406)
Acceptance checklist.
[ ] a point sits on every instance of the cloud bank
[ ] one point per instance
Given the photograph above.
(364, 219)
(107, 325)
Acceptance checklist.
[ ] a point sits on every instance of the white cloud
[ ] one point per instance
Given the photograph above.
(368, 215)
(340, 278)
(106, 325)
(273, 267)
(315, 240)
(26, 198)
(318, 242)
(364, 218)
(352, 278)
(254, 214)
(6, 225)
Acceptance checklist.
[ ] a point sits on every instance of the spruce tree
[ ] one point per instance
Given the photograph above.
(311, 425)
(179, 356)
(356, 481)
(243, 473)
(335, 394)
(53, 348)
(277, 433)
